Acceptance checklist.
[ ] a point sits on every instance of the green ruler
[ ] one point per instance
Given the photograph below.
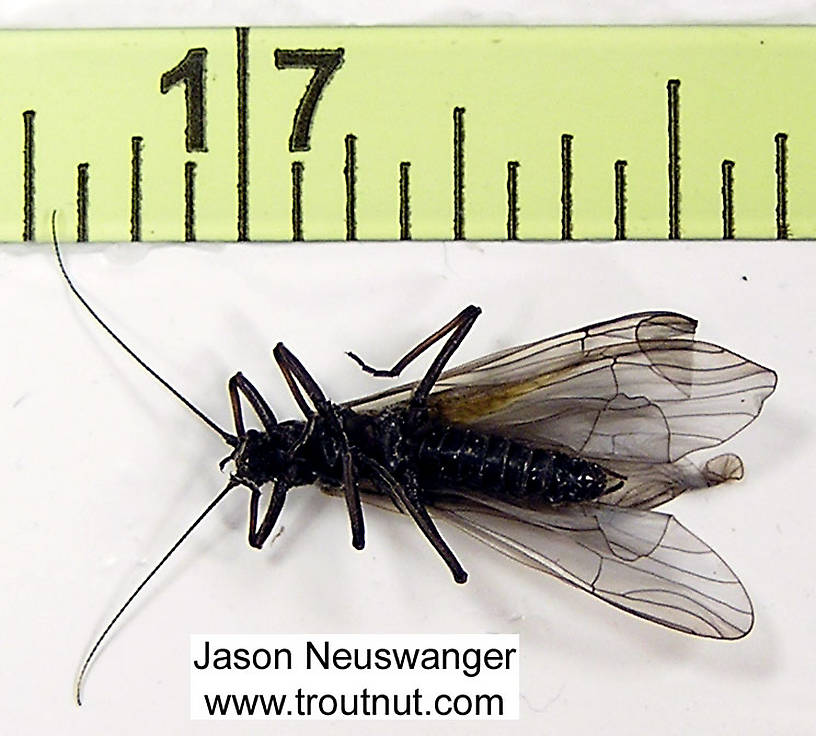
(409, 133)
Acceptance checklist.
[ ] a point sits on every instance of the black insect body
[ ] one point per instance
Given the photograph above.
(457, 457)
(408, 452)
(419, 453)
(553, 453)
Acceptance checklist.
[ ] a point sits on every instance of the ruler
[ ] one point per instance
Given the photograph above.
(398, 133)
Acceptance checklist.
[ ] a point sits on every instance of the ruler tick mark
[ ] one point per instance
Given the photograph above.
(458, 173)
(620, 199)
(297, 200)
(728, 199)
(28, 175)
(242, 77)
(512, 200)
(82, 203)
(136, 188)
(404, 199)
(566, 187)
(350, 174)
(189, 201)
(781, 140)
(673, 90)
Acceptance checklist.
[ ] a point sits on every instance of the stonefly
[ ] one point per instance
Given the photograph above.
(554, 453)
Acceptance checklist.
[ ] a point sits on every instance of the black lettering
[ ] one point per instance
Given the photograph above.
(327, 705)
(471, 662)
(416, 698)
(382, 659)
(241, 659)
(227, 705)
(341, 659)
(261, 659)
(190, 72)
(206, 663)
(385, 702)
(494, 660)
(348, 706)
(491, 710)
(462, 705)
(325, 62)
(313, 651)
(222, 660)
(299, 697)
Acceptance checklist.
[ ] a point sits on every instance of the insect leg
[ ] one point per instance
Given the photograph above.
(258, 534)
(407, 498)
(296, 376)
(295, 373)
(460, 325)
(464, 322)
(238, 383)
(353, 504)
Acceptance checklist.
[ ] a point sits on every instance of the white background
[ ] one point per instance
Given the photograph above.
(102, 469)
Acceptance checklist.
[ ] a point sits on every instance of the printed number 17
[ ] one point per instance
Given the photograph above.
(191, 72)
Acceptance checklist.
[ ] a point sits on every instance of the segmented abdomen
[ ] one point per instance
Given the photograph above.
(456, 457)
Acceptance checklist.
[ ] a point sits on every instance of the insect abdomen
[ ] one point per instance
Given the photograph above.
(451, 457)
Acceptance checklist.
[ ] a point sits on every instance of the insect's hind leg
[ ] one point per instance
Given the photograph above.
(406, 498)
(458, 327)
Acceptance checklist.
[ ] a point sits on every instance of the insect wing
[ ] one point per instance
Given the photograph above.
(643, 562)
(652, 484)
(532, 357)
(634, 389)
(637, 394)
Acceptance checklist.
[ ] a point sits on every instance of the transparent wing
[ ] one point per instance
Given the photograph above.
(643, 562)
(530, 359)
(636, 389)
(637, 394)
(649, 484)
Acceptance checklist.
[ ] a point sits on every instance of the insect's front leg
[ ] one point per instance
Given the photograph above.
(259, 533)
(238, 384)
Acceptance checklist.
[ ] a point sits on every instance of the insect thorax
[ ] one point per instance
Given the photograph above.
(265, 456)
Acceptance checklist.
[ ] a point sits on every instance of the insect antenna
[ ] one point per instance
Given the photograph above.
(230, 439)
(101, 638)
